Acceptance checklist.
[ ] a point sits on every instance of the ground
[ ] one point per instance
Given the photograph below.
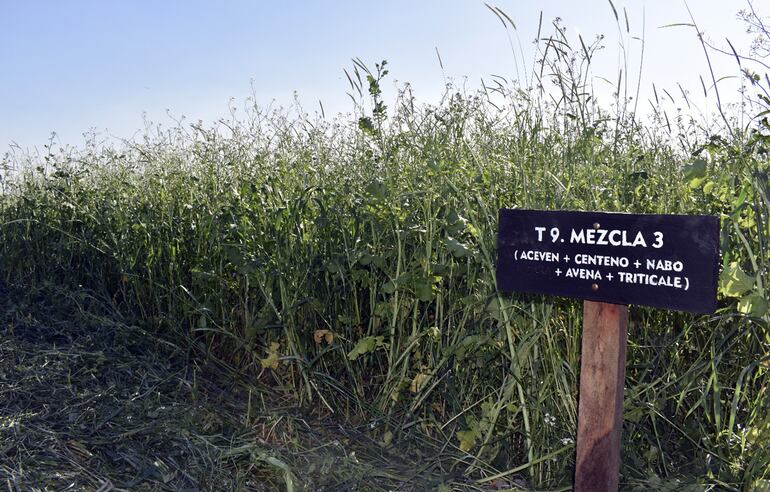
(89, 402)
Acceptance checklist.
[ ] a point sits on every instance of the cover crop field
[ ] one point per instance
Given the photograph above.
(345, 270)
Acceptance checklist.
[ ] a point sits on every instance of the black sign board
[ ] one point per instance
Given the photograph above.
(664, 261)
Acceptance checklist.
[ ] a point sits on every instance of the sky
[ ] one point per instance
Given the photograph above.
(106, 67)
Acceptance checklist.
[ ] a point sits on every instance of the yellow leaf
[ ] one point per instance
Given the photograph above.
(319, 335)
(467, 440)
(271, 361)
(395, 394)
(417, 382)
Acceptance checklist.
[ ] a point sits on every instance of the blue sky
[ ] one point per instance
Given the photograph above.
(78, 65)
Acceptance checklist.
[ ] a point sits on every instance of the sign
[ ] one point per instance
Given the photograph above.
(664, 261)
(610, 260)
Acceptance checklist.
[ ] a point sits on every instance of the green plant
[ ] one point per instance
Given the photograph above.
(380, 232)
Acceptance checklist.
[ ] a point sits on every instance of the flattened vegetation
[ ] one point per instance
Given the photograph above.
(87, 403)
(102, 406)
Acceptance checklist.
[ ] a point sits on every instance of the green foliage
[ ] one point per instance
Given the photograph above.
(733, 281)
(364, 346)
(256, 235)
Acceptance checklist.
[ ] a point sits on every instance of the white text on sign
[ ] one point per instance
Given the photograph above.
(603, 237)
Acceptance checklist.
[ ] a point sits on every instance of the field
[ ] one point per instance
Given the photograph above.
(335, 278)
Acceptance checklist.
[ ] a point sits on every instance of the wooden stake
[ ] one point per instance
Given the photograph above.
(600, 410)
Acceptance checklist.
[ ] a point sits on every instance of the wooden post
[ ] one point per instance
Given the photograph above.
(600, 409)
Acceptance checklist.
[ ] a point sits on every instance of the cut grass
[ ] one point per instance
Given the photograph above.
(93, 404)
(90, 403)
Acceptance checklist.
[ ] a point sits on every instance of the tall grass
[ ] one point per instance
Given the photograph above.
(354, 262)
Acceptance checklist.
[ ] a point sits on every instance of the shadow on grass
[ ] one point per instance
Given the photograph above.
(91, 403)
